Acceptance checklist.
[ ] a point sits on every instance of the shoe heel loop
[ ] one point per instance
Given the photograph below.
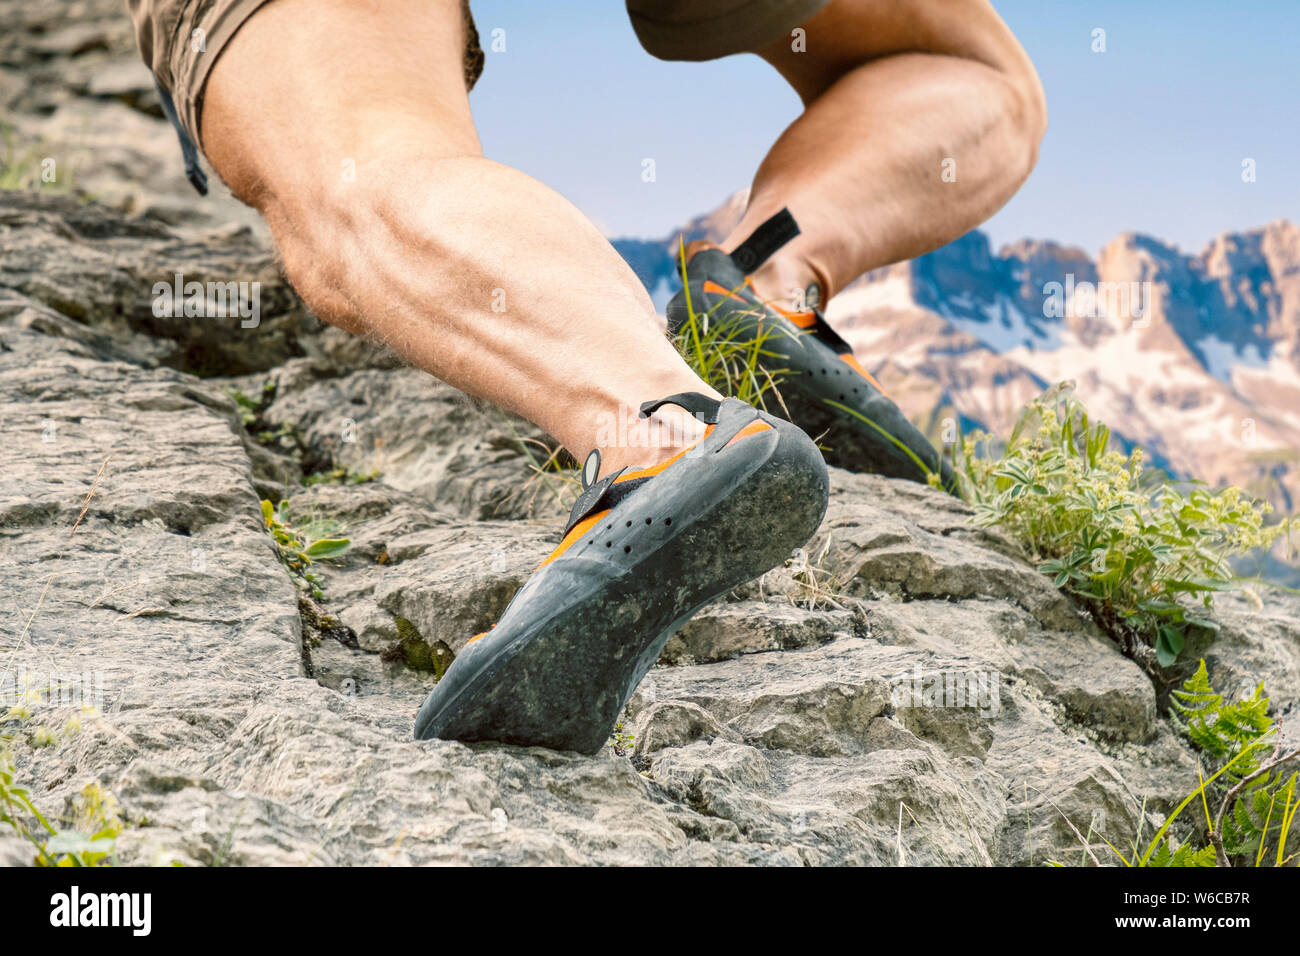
(764, 241)
(701, 406)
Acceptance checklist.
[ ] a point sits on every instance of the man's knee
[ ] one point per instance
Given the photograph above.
(848, 34)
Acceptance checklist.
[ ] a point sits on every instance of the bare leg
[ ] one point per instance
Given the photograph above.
(896, 95)
(348, 126)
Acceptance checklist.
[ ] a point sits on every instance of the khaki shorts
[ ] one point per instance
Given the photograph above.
(180, 40)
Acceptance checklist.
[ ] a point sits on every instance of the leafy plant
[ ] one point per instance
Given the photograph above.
(312, 467)
(91, 839)
(550, 467)
(1220, 730)
(621, 743)
(1256, 801)
(299, 547)
(283, 438)
(250, 409)
(22, 168)
(1145, 560)
(339, 476)
(1259, 803)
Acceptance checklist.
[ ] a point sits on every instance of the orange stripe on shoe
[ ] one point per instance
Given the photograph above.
(805, 320)
(476, 637)
(570, 539)
(711, 286)
(851, 361)
(753, 428)
(655, 469)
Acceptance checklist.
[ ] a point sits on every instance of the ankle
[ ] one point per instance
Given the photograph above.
(793, 284)
(793, 272)
(644, 442)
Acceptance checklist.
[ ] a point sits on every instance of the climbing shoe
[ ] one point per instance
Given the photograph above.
(823, 387)
(643, 550)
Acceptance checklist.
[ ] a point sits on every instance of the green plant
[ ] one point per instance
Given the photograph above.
(285, 439)
(339, 476)
(1146, 560)
(91, 837)
(1257, 802)
(250, 409)
(732, 364)
(551, 468)
(24, 168)
(299, 547)
(621, 743)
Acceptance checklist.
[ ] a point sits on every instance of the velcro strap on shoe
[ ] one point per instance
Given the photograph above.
(590, 499)
(765, 240)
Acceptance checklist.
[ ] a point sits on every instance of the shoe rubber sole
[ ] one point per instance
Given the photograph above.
(725, 516)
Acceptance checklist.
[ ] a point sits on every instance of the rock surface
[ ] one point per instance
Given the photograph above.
(240, 724)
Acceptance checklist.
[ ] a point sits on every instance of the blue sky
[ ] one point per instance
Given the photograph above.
(1148, 136)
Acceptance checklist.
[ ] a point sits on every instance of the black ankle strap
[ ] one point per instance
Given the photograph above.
(764, 241)
(701, 406)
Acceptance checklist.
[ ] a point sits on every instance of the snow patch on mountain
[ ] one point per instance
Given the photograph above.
(1002, 325)
(1221, 356)
(890, 292)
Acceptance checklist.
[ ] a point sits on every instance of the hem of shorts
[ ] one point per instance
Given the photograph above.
(742, 30)
(190, 107)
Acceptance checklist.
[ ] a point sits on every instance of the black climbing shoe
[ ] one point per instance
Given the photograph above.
(826, 391)
(642, 552)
